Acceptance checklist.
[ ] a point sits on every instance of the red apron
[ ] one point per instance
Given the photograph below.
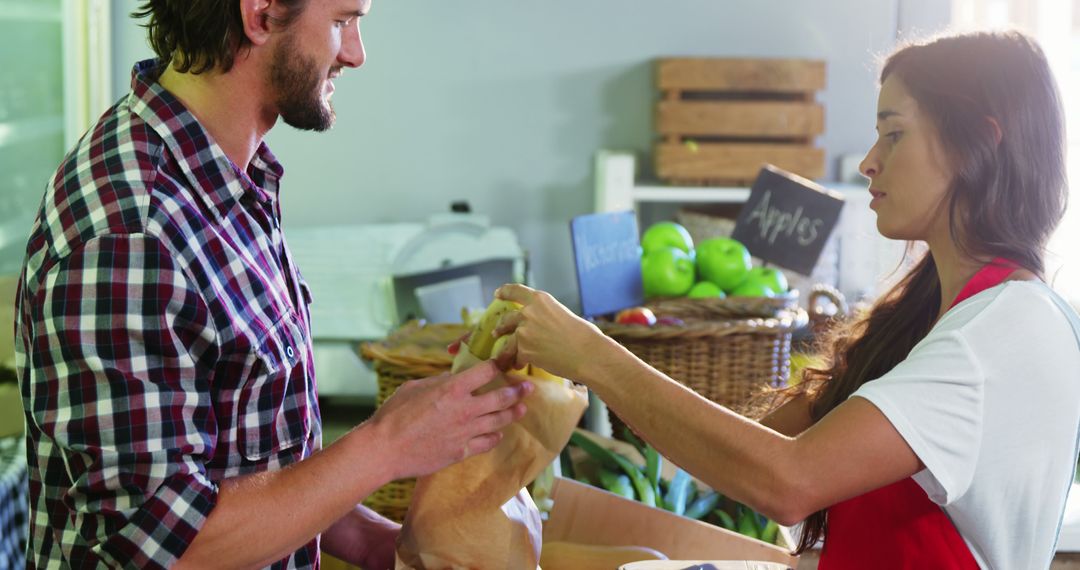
(898, 526)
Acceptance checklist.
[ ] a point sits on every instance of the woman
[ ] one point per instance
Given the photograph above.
(943, 431)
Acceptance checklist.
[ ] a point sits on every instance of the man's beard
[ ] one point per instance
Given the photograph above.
(299, 89)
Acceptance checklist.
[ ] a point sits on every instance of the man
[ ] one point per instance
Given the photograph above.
(163, 344)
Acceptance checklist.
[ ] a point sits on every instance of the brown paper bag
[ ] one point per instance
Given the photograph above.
(476, 514)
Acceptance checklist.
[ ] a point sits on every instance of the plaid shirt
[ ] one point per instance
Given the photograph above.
(162, 339)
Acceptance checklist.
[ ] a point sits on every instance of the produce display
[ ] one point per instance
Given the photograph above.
(615, 472)
(671, 266)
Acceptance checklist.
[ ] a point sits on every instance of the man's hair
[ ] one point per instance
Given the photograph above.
(202, 35)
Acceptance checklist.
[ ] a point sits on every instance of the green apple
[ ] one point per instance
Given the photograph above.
(667, 234)
(723, 261)
(752, 289)
(705, 289)
(770, 277)
(667, 272)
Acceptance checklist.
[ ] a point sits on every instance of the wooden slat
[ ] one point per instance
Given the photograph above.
(767, 75)
(738, 162)
(756, 119)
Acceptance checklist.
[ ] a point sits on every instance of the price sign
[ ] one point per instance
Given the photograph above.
(607, 257)
(787, 219)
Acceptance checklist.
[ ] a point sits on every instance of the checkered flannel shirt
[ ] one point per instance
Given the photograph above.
(162, 339)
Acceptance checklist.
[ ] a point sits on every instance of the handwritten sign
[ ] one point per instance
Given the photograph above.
(608, 261)
(787, 219)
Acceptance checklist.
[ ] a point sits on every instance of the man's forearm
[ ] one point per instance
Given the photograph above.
(263, 517)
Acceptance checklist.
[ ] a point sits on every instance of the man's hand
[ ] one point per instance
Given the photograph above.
(455, 347)
(431, 423)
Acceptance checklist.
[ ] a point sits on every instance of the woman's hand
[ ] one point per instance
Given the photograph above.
(548, 335)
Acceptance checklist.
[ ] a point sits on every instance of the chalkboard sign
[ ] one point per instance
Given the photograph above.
(787, 219)
(608, 261)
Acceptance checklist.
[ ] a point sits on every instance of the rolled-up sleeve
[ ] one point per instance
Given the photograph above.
(120, 397)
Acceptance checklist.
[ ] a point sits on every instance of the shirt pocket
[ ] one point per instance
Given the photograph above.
(305, 297)
(274, 414)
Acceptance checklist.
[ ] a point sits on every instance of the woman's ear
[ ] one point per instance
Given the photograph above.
(996, 129)
(256, 17)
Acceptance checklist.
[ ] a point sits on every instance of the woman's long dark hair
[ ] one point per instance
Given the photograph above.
(1004, 200)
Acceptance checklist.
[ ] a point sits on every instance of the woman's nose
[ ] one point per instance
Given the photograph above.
(870, 165)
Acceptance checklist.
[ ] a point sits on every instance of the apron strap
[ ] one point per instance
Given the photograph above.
(991, 274)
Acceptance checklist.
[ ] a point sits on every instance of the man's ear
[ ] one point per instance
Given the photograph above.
(256, 16)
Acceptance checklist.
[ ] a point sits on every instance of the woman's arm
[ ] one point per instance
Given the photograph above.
(852, 450)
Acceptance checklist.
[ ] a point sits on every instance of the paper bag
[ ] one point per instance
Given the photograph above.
(476, 514)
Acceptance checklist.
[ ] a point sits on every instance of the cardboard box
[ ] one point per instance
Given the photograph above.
(587, 515)
(11, 410)
(703, 564)
(8, 286)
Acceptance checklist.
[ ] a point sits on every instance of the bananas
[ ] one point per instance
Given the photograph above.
(541, 374)
(482, 340)
(483, 345)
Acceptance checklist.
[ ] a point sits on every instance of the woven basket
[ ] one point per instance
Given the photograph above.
(702, 226)
(416, 350)
(727, 350)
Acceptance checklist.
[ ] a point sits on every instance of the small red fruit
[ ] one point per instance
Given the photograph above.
(636, 316)
(669, 322)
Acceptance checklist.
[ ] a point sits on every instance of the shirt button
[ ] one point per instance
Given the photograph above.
(289, 352)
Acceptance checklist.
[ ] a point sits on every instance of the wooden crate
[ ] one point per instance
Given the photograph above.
(720, 120)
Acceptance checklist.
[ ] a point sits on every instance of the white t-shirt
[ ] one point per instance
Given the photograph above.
(990, 402)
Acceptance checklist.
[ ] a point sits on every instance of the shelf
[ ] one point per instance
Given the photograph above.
(616, 187)
(691, 194)
(30, 12)
(14, 132)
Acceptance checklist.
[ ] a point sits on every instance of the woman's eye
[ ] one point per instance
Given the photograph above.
(343, 23)
(894, 136)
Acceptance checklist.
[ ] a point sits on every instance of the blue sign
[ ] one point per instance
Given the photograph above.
(607, 256)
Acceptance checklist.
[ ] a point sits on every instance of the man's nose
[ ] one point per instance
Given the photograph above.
(352, 52)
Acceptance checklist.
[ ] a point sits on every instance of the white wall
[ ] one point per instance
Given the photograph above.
(504, 103)
(919, 18)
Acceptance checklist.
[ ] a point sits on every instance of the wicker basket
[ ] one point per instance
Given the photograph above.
(703, 226)
(416, 350)
(727, 350)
